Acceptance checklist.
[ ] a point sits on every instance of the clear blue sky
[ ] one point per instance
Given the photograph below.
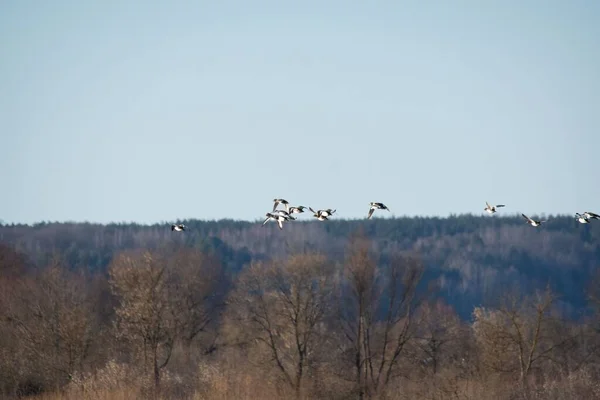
(150, 111)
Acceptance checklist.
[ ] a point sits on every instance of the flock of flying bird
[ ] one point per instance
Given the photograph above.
(281, 216)
(581, 218)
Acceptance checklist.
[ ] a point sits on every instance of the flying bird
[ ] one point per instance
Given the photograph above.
(275, 217)
(284, 214)
(582, 218)
(178, 227)
(591, 215)
(533, 222)
(326, 213)
(376, 206)
(492, 209)
(276, 202)
(297, 210)
(320, 217)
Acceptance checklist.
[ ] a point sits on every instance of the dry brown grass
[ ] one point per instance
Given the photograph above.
(118, 381)
(119, 394)
(223, 386)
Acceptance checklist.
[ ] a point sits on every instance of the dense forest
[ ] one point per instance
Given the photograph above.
(459, 307)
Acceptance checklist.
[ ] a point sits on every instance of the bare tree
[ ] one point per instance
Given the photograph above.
(438, 333)
(51, 314)
(163, 297)
(196, 287)
(376, 314)
(440, 352)
(145, 314)
(519, 336)
(12, 270)
(279, 309)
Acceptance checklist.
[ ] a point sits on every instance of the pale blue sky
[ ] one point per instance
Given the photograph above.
(151, 111)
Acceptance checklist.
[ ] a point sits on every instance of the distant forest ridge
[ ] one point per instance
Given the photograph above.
(472, 259)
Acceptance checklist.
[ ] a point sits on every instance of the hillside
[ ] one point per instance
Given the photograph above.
(473, 259)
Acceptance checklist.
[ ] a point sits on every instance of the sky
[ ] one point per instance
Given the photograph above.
(152, 111)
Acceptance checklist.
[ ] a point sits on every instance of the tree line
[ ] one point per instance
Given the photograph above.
(472, 258)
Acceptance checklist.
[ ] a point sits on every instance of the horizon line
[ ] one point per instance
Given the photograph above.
(180, 220)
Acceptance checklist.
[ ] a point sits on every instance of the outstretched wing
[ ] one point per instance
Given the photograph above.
(266, 220)
(500, 205)
(488, 205)
(370, 213)
(275, 204)
(593, 215)
(527, 218)
(280, 222)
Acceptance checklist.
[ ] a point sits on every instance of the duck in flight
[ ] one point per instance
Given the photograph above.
(276, 217)
(178, 227)
(320, 217)
(582, 219)
(297, 210)
(284, 214)
(276, 202)
(533, 222)
(376, 206)
(326, 213)
(492, 209)
(591, 215)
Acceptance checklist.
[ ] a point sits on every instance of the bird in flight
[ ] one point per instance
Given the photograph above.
(297, 210)
(533, 222)
(284, 214)
(321, 215)
(276, 202)
(376, 206)
(492, 209)
(325, 213)
(280, 218)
